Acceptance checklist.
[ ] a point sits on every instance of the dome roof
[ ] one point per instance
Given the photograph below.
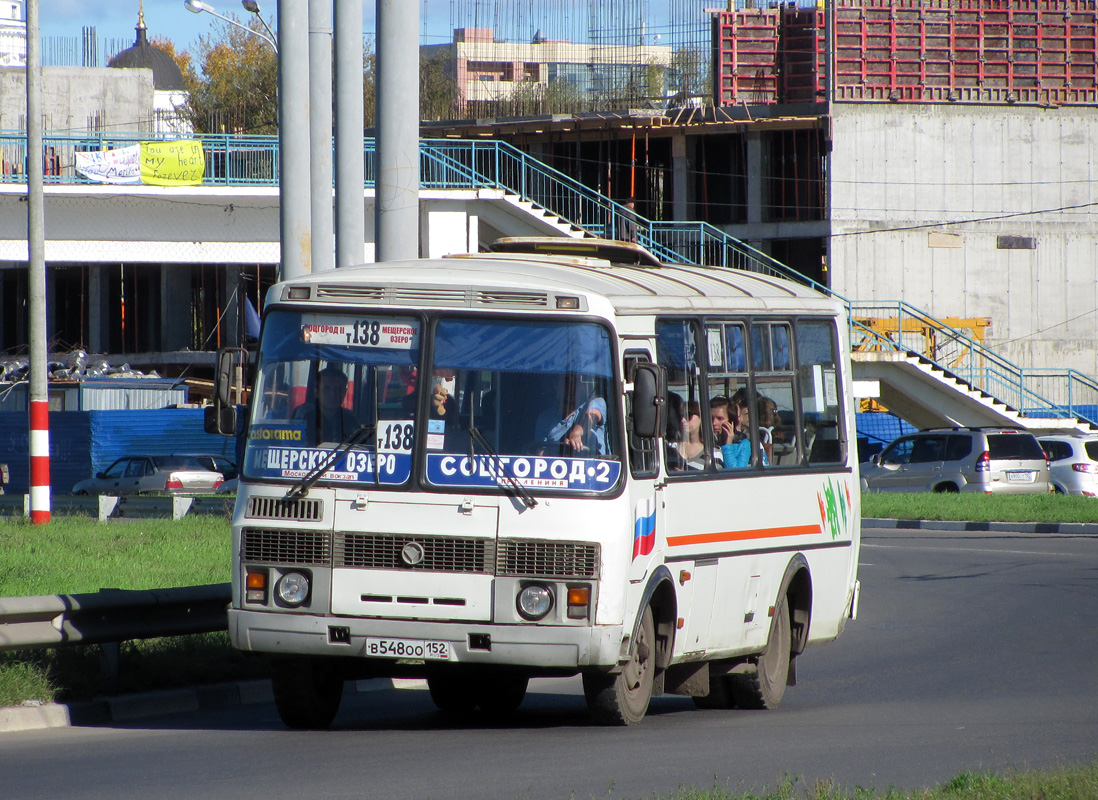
(166, 73)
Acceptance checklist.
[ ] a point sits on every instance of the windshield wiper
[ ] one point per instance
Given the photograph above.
(302, 487)
(502, 469)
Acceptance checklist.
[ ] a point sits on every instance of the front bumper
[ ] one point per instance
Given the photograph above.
(547, 646)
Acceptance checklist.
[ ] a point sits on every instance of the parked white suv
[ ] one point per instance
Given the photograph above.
(1073, 464)
(985, 460)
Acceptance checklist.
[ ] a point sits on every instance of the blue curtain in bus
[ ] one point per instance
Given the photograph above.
(675, 344)
(526, 346)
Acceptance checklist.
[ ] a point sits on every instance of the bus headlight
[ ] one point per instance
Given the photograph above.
(534, 601)
(292, 588)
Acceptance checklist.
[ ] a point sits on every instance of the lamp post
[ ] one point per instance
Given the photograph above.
(197, 7)
(252, 7)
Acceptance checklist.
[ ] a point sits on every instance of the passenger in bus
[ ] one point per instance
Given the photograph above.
(326, 420)
(583, 432)
(689, 446)
(730, 434)
(767, 411)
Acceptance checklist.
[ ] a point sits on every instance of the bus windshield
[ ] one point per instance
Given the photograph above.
(509, 402)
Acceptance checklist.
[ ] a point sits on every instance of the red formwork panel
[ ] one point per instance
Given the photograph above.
(992, 51)
(803, 66)
(746, 45)
(967, 50)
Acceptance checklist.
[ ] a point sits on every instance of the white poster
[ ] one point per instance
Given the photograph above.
(121, 165)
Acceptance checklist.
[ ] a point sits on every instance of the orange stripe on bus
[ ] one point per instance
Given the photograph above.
(739, 536)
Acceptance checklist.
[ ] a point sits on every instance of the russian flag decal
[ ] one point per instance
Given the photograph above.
(644, 527)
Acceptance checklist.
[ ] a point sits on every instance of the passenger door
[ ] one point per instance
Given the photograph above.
(887, 475)
(924, 470)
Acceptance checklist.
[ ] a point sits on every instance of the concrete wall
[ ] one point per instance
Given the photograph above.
(921, 194)
(81, 98)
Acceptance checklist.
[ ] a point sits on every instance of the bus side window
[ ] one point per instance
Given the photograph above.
(823, 437)
(642, 452)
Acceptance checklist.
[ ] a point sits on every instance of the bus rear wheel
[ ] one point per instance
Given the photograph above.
(622, 699)
(307, 691)
(765, 687)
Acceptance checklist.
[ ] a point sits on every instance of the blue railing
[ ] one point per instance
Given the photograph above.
(241, 160)
(1036, 392)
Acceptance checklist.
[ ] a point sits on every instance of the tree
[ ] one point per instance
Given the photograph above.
(437, 87)
(234, 89)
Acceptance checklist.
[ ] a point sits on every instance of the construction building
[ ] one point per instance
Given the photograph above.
(491, 75)
(948, 164)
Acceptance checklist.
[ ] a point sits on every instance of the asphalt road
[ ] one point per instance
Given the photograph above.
(973, 651)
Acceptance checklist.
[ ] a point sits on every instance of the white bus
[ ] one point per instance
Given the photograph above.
(559, 458)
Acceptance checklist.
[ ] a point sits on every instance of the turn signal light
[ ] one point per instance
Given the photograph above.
(579, 598)
(255, 590)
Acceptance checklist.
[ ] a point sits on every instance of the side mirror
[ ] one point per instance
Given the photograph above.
(220, 418)
(649, 390)
(875, 459)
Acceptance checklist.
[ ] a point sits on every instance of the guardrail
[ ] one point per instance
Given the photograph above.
(129, 507)
(112, 615)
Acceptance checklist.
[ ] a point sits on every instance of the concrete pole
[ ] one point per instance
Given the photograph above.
(396, 213)
(293, 139)
(320, 134)
(350, 162)
(38, 395)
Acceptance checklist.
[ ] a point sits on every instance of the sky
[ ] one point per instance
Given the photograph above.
(117, 19)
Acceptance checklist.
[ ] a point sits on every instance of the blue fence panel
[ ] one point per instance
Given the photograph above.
(85, 442)
(70, 449)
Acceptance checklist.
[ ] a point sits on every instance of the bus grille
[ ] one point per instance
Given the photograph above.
(278, 508)
(440, 553)
(286, 547)
(565, 560)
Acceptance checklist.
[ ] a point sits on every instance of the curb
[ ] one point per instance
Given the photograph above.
(124, 708)
(1078, 528)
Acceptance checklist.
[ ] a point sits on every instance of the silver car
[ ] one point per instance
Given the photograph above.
(152, 474)
(1073, 464)
(984, 460)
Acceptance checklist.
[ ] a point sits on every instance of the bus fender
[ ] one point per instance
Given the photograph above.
(659, 592)
(797, 585)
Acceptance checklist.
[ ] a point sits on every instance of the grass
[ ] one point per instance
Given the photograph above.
(78, 554)
(75, 554)
(981, 507)
(1059, 783)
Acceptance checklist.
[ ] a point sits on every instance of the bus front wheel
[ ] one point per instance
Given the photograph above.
(622, 699)
(765, 687)
(307, 691)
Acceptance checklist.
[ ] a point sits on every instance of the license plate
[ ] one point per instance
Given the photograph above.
(1026, 476)
(408, 648)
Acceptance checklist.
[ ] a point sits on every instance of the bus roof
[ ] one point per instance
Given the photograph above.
(536, 279)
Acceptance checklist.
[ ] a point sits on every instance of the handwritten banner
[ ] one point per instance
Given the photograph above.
(172, 163)
(110, 166)
(179, 163)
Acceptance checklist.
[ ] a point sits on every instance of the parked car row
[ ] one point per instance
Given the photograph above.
(170, 474)
(984, 460)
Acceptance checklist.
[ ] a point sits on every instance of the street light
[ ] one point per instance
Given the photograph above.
(197, 7)
(252, 7)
